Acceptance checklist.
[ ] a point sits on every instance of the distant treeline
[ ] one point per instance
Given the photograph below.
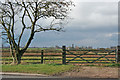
(47, 50)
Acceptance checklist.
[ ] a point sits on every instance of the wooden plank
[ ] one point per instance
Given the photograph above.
(54, 59)
(31, 59)
(89, 54)
(31, 55)
(39, 55)
(92, 50)
(51, 55)
(92, 60)
(34, 62)
(87, 62)
(90, 57)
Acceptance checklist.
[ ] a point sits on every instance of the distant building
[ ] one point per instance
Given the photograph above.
(113, 47)
(89, 47)
(73, 46)
(57, 47)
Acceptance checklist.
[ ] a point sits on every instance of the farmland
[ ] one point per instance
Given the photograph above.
(36, 50)
(52, 55)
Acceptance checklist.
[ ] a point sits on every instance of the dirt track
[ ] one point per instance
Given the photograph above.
(93, 72)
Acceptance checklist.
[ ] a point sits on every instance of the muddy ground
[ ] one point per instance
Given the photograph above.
(93, 72)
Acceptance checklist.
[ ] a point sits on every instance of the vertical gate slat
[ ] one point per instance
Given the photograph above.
(64, 55)
(42, 56)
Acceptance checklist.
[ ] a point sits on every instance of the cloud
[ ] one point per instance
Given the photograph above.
(111, 34)
(94, 14)
(95, 0)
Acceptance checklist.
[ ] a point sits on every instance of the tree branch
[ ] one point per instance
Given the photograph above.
(27, 12)
(30, 38)
(13, 15)
(24, 26)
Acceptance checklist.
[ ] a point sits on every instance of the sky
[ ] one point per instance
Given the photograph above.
(93, 23)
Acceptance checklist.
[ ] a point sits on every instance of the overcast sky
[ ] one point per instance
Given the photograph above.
(92, 24)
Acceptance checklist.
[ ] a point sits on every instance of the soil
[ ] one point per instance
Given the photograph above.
(92, 72)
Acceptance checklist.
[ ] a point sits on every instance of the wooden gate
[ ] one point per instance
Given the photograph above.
(89, 56)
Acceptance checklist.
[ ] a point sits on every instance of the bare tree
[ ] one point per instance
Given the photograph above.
(34, 11)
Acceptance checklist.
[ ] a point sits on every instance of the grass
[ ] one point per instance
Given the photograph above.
(49, 69)
(113, 65)
(105, 65)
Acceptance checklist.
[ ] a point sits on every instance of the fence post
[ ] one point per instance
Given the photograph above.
(64, 55)
(42, 56)
(118, 54)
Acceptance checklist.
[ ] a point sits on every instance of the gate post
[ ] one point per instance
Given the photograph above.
(42, 56)
(118, 54)
(64, 55)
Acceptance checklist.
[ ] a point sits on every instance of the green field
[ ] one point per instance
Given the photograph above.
(37, 50)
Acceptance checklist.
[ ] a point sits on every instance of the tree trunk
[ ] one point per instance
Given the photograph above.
(13, 55)
(14, 60)
(17, 58)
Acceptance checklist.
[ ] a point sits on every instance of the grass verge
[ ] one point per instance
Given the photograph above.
(48, 69)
